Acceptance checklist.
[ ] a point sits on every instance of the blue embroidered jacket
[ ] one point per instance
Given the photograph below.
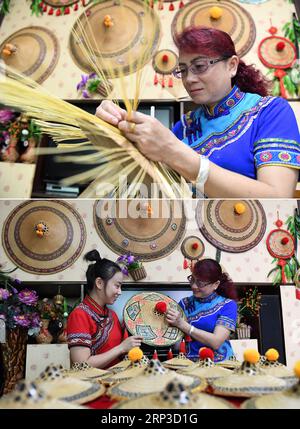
(243, 132)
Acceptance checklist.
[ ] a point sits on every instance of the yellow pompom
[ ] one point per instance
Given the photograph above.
(251, 356)
(272, 354)
(239, 208)
(135, 354)
(297, 369)
(215, 12)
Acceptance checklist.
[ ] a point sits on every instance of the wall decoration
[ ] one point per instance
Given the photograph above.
(192, 249)
(231, 225)
(164, 63)
(33, 51)
(147, 230)
(118, 48)
(56, 7)
(43, 237)
(144, 316)
(279, 54)
(231, 17)
(281, 245)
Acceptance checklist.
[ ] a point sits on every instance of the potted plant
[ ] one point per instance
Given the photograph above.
(132, 266)
(248, 309)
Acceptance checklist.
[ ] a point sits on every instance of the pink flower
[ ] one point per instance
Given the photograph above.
(22, 321)
(6, 115)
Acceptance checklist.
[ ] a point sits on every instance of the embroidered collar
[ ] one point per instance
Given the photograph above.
(101, 311)
(224, 106)
(208, 298)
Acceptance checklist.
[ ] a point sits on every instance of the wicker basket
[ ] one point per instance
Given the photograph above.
(243, 332)
(138, 273)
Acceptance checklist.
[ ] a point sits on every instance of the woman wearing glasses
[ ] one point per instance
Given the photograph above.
(239, 142)
(211, 311)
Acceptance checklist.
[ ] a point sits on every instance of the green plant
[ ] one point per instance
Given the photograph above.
(249, 305)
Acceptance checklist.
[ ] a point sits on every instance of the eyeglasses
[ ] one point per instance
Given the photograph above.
(198, 283)
(198, 67)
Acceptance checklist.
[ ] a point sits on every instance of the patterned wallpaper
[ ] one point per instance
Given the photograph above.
(250, 266)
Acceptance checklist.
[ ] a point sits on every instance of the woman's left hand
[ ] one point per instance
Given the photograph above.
(173, 317)
(151, 137)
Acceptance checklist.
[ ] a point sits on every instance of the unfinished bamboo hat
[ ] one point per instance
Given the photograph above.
(231, 225)
(248, 380)
(231, 363)
(44, 237)
(288, 399)
(149, 230)
(178, 362)
(34, 52)
(144, 315)
(84, 371)
(232, 18)
(118, 48)
(206, 367)
(53, 382)
(153, 379)
(28, 395)
(174, 396)
(120, 366)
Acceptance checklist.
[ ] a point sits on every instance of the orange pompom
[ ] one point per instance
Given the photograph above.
(251, 356)
(135, 354)
(297, 369)
(272, 354)
(239, 208)
(206, 353)
(161, 307)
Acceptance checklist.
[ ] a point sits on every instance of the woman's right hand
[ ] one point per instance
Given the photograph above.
(130, 342)
(110, 112)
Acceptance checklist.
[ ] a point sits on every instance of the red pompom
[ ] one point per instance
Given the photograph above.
(195, 246)
(284, 240)
(185, 264)
(188, 339)
(170, 354)
(272, 30)
(171, 7)
(155, 355)
(50, 11)
(45, 8)
(67, 11)
(163, 83)
(161, 307)
(76, 6)
(206, 353)
(165, 58)
(58, 12)
(280, 46)
(279, 223)
(155, 79)
(182, 348)
(170, 83)
(181, 5)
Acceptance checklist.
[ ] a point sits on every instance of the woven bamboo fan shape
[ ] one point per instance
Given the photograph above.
(149, 230)
(235, 21)
(35, 52)
(59, 247)
(126, 45)
(142, 318)
(227, 230)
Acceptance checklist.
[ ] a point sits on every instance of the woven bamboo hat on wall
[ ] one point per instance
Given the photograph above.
(144, 315)
(232, 18)
(149, 229)
(33, 51)
(44, 237)
(123, 36)
(231, 225)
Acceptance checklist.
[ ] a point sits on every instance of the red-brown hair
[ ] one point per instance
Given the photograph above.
(209, 270)
(212, 42)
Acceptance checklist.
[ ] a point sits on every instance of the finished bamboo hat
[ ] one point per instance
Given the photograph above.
(44, 237)
(288, 399)
(272, 366)
(153, 379)
(34, 52)
(54, 383)
(165, 61)
(233, 19)
(84, 371)
(231, 225)
(175, 396)
(28, 395)
(149, 230)
(248, 380)
(144, 315)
